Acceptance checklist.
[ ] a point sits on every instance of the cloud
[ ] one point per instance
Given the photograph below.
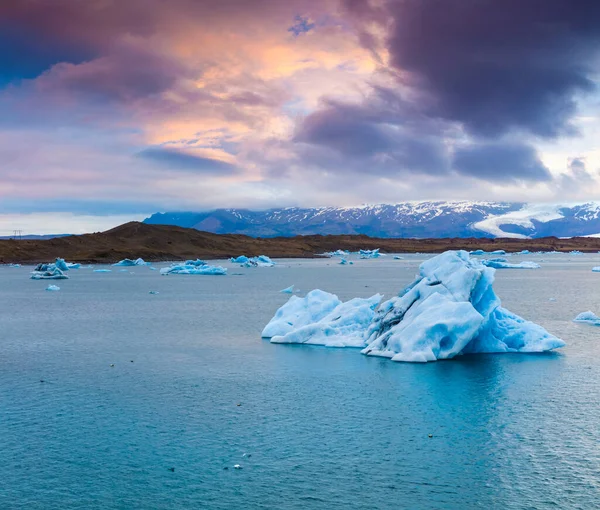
(494, 66)
(177, 159)
(500, 162)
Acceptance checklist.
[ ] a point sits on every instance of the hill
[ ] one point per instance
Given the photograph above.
(163, 242)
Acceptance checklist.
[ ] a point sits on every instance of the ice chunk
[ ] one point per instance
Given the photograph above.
(575, 252)
(369, 254)
(196, 270)
(14, 265)
(242, 259)
(196, 263)
(524, 252)
(61, 264)
(477, 252)
(154, 292)
(52, 273)
(288, 290)
(398, 257)
(451, 309)
(260, 261)
(102, 270)
(504, 264)
(344, 326)
(596, 269)
(337, 253)
(52, 288)
(130, 262)
(588, 318)
(343, 261)
(298, 312)
(498, 252)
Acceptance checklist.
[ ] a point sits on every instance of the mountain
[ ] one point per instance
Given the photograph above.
(166, 242)
(405, 220)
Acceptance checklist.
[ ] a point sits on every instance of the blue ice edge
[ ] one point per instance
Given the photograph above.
(449, 309)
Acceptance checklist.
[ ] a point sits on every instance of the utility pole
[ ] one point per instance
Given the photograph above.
(17, 234)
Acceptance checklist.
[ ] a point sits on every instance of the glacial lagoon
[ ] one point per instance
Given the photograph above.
(150, 400)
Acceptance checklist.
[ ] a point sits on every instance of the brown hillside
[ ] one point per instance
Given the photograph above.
(164, 242)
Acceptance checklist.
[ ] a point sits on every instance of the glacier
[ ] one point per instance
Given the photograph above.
(450, 309)
(321, 318)
(193, 269)
(500, 263)
(130, 262)
(588, 318)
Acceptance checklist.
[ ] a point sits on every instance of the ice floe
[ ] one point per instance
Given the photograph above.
(500, 263)
(193, 269)
(588, 318)
(450, 309)
(50, 273)
(130, 262)
(321, 318)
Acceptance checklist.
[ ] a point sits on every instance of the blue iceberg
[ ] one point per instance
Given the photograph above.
(596, 269)
(321, 318)
(369, 254)
(288, 290)
(102, 270)
(504, 264)
(196, 263)
(192, 269)
(588, 318)
(260, 261)
(242, 259)
(52, 288)
(450, 309)
(50, 273)
(130, 262)
(477, 252)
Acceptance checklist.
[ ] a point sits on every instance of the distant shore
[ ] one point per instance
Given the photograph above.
(156, 243)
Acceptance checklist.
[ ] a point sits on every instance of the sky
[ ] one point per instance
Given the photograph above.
(113, 110)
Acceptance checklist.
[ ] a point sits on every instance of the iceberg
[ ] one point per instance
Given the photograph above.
(398, 257)
(575, 252)
(61, 264)
(477, 252)
(192, 269)
(498, 252)
(369, 254)
(337, 253)
(14, 265)
(450, 309)
(102, 270)
(288, 290)
(129, 262)
(51, 273)
(524, 252)
(52, 288)
(504, 264)
(260, 261)
(320, 318)
(242, 259)
(596, 269)
(196, 263)
(588, 318)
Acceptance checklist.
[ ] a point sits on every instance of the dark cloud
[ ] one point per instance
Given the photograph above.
(176, 159)
(502, 162)
(495, 65)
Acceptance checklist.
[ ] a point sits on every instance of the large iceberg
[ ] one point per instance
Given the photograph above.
(504, 264)
(193, 269)
(450, 309)
(130, 262)
(321, 318)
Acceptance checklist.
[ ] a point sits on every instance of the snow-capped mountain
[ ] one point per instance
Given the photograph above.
(409, 219)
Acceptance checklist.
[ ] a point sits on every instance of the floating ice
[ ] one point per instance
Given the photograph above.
(369, 254)
(504, 264)
(322, 319)
(343, 262)
(52, 273)
(14, 265)
(288, 290)
(197, 270)
(524, 252)
(242, 259)
(498, 252)
(130, 262)
(588, 318)
(61, 264)
(398, 257)
(449, 309)
(337, 253)
(196, 263)
(153, 292)
(477, 252)
(575, 252)
(102, 270)
(260, 261)
(52, 288)
(596, 269)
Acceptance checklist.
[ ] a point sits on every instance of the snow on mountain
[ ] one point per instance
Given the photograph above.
(408, 219)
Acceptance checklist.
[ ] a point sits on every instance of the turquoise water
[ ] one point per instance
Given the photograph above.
(324, 428)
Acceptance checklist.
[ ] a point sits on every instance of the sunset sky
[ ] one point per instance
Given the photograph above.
(114, 109)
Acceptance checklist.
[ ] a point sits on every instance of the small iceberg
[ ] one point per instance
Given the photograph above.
(196, 263)
(596, 269)
(320, 318)
(130, 262)
(524, 252)
(288, 290)
(102, 270)
(588, 318)
(242, 259)
(52, 288)
(398, 257)
(498, 252)
(343, 262)
(260, 261)
(337, 253)
(192, 269)
(450, 309)
(477, 252)
(52, 273)
(153, 292)
(14, 265)
(504, 264)
(369, 254)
